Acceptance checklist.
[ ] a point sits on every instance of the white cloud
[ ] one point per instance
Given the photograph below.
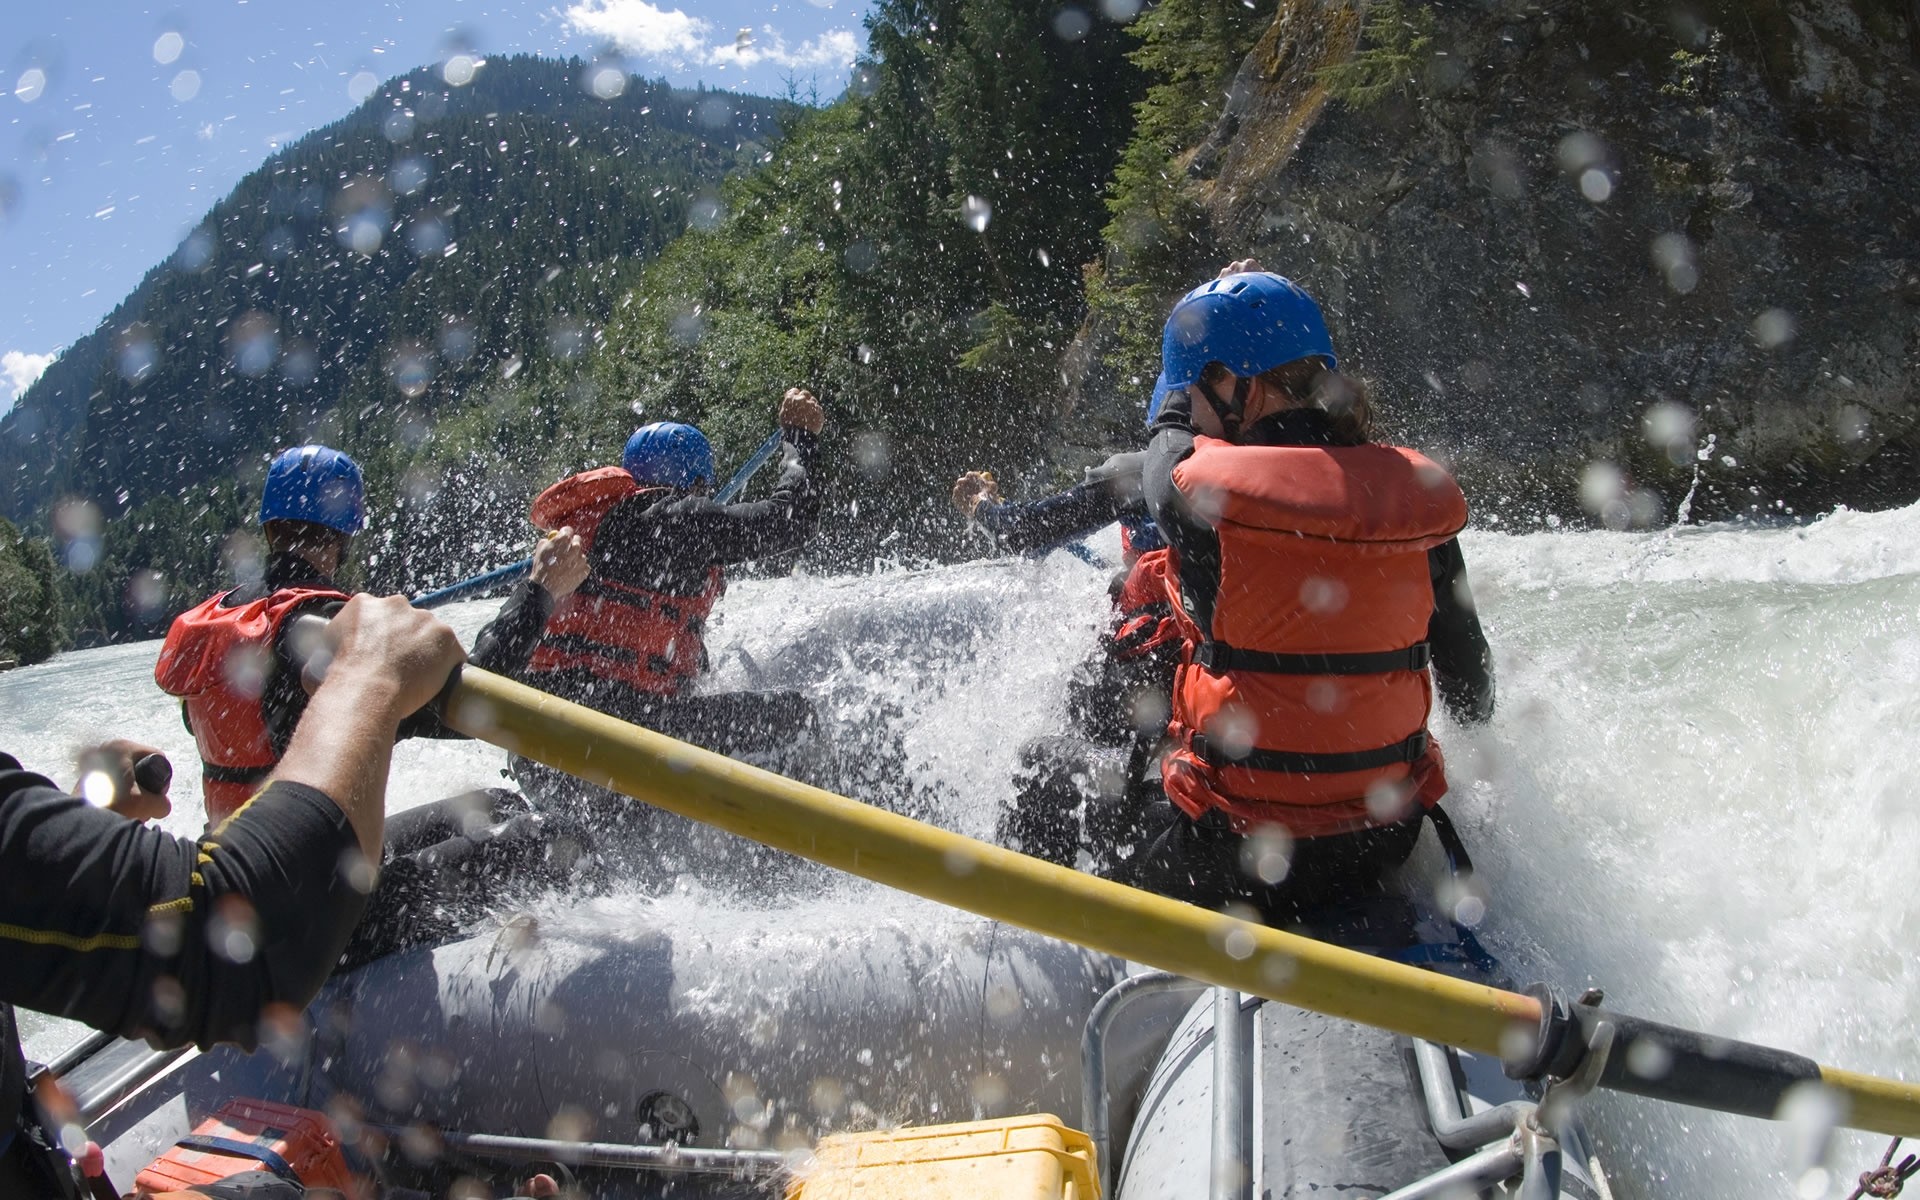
(18, 370)
(836, 48)
(639, 28)
(646, 31)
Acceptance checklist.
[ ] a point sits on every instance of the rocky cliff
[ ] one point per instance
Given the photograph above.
(1598, 253)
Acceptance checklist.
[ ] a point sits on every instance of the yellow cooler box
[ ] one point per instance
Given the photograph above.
(1013, 1158)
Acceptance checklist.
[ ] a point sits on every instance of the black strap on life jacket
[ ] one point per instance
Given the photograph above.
(215, 773)
(1297, 763)
(1220, 658)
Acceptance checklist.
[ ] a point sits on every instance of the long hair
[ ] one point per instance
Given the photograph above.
(1342, 397)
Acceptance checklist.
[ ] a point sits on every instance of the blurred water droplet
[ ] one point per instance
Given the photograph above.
(185, 86)
(1580, 151)
(31, 85)
(606, 81)
(1267, 853)
(1071, 24)
(459, 70)
(398, 127)
(1673, 257)
(167, 48)
(1773, 328)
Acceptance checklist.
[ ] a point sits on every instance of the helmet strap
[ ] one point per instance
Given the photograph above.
(1230, 413)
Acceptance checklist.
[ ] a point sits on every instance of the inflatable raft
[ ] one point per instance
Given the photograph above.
(876, 1059)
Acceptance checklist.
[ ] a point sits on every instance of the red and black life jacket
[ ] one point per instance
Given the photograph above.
(217, 660)
(1306, 702)
(650, 641)
(1142, 610)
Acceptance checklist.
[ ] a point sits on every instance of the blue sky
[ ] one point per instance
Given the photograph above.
(121, 123)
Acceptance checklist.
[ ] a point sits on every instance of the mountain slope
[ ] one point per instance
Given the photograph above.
(372, 271)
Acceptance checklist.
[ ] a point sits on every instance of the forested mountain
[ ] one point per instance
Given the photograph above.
(351, 289)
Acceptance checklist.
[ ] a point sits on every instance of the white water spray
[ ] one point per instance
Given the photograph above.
(1694, 794)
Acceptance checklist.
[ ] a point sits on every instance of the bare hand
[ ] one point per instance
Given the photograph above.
(400, 655)
(108, 778)
(560, 562)
(1240, 266)
(973, 488)
(799, 410)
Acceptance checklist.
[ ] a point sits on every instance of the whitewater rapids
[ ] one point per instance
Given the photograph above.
(1690, 796)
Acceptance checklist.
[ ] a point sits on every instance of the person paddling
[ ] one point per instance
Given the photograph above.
(631, 641)
(1321, 595)
(231, 661)
(1079, 788)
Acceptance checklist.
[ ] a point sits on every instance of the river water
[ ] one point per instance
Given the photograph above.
(1690, 796)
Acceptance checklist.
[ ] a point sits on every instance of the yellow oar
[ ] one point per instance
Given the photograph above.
(1647, 1058)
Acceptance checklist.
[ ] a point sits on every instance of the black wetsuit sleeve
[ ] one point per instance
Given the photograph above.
(1462, 660)
(505, 643)
(140, 933)
(1195, 542)
(668, 545)
(1074, 513)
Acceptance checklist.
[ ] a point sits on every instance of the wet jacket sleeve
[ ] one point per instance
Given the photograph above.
(652, 545)
(140, 933)
(505, 643)
(1113, 490)
(1462, 660)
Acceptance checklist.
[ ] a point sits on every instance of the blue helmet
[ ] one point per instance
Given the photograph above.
(1250, 323)
(668, 454)
(315, 484)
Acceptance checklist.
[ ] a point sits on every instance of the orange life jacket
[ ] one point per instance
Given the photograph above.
(1306, 702)
(650, 641)
(1144, 615)
(217, 660)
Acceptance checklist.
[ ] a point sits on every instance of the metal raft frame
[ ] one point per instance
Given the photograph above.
(1520, 1143)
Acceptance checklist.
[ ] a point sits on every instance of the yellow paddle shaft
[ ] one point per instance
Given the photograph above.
(999, 884)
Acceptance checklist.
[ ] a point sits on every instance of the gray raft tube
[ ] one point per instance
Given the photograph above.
(1535, 1151)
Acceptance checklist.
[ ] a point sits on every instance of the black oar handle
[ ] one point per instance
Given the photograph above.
(1664, 1062)
(153, 774)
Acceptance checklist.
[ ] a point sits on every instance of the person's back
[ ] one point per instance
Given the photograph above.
(632, 641)
(219, 657)
(632, 638)
(1316, 577)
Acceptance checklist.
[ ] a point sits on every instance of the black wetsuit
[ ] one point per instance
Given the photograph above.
(668, 543)
(113, 923)
(1202, 861)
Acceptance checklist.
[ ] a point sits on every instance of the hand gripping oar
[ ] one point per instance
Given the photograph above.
(1536, 1034)
(511, 573)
